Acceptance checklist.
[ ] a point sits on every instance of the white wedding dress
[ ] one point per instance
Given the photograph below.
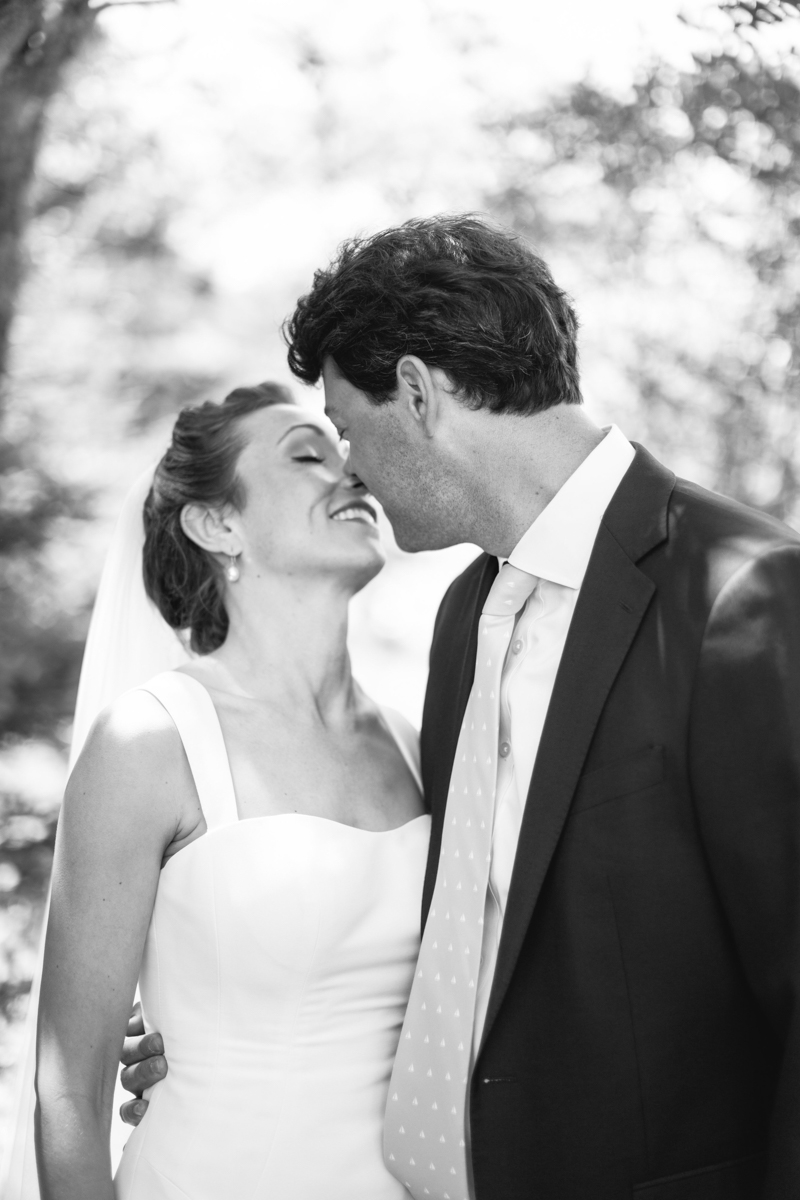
(277, 967)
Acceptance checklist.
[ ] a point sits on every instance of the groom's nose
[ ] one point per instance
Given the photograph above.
(350, 476)
(352, 480)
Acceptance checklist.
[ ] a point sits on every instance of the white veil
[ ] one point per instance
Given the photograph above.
(128, 643)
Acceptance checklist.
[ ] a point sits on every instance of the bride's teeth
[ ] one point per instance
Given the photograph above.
(352, 514)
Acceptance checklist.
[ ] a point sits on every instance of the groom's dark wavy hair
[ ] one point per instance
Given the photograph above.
(184, 581)
(455, 291)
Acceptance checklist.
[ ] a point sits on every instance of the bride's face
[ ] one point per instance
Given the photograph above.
(303, 514)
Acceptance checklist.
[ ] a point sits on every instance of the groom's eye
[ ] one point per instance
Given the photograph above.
(307, 458)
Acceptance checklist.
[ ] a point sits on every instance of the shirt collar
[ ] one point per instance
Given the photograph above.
(559, 543)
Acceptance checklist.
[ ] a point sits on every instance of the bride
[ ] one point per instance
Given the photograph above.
(245, 835)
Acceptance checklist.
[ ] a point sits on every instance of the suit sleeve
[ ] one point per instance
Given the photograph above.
(745, 776)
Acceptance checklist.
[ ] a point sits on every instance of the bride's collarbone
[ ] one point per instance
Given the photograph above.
(358, 779)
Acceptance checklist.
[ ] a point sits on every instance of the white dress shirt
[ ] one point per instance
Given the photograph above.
(556, 549)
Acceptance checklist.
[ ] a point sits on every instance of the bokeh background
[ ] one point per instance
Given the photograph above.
(171, 173)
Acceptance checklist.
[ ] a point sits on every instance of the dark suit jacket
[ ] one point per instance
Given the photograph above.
(643, 1032)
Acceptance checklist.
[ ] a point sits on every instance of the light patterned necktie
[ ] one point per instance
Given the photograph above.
(424, 1132)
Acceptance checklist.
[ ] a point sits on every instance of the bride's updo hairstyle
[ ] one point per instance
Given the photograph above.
(185, 582)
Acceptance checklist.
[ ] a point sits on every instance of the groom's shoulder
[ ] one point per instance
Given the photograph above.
(707, 524)
(660, 515)
(656, 510)
(712, 539)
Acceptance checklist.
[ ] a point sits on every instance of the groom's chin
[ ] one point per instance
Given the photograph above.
(412, 539)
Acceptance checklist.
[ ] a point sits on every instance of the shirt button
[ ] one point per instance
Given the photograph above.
(516, 646)
(505, 749)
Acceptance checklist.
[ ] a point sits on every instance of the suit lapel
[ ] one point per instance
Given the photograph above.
(611, 605)
(614, 597)
(464, 644)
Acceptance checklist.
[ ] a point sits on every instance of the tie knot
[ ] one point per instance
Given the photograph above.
(509, 592)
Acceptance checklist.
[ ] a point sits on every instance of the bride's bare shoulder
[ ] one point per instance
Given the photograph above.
(133, 742)
(131, 790)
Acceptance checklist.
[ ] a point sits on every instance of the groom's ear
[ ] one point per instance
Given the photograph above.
(208, 529)
(419, 392)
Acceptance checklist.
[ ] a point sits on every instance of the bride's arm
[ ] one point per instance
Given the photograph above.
(129, 796)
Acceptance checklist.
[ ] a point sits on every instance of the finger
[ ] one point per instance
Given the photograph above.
(136, 1021)
(135, 1049)
(143, 1074)
(132, 1111)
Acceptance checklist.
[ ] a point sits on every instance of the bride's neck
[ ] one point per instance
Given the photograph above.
(287, 641)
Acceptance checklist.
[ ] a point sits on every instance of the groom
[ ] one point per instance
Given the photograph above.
(610, 749)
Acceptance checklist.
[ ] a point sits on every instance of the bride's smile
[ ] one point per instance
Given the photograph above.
(360, 511)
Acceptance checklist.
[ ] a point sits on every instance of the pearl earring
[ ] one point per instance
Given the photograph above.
(232, 570)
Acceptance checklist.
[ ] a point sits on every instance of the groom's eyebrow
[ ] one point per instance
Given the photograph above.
(304, 425)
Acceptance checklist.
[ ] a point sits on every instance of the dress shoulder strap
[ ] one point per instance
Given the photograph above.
(195, 717)
(407, 740)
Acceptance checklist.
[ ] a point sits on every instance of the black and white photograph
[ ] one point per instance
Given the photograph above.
(400, 600)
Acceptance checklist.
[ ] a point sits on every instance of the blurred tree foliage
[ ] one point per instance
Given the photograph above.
(84, 217)
(760, 12)
(39, 646)
(695, 176)
(38, 39)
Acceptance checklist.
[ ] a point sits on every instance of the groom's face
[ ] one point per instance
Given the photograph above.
(398, 468)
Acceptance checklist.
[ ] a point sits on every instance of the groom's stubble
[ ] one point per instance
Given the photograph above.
(409, 475)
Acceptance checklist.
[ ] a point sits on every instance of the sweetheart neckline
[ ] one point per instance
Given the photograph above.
(305, 816)
(327, 820)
